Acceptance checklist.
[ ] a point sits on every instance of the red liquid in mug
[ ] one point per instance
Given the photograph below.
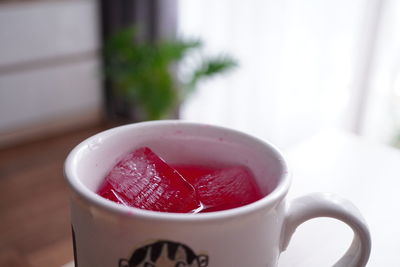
(143, 180)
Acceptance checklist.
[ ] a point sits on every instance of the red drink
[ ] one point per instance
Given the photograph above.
(143, 180)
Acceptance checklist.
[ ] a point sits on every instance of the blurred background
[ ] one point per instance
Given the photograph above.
(280, 70)
(301, 65)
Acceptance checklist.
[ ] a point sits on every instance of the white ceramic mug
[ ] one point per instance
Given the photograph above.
(108, 234)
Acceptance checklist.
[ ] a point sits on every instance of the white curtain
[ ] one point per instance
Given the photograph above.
(305, 65)
(381, 120)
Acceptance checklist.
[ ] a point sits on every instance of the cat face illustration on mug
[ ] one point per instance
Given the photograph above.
(164, 254)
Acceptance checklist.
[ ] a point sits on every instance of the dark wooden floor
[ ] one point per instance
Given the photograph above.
(34, 211)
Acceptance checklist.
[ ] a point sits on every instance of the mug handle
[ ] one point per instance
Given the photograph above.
(328, 205)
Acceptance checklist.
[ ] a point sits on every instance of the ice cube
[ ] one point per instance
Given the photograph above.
(143, 180)
(227, 188)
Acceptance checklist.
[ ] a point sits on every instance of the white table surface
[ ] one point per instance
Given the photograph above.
(366, 173)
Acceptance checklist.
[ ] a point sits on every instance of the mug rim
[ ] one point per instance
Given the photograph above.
(267, 202)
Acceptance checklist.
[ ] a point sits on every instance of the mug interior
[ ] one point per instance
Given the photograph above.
(177, 142)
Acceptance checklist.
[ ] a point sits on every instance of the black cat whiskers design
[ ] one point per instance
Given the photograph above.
(164, 254)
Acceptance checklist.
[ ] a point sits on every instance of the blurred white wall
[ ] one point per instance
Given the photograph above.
(49, 66)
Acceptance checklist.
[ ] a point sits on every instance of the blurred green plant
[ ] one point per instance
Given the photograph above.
(396, 140)
(145, 74)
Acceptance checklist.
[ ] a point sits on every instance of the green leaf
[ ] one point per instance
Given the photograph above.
(211, 67)
(170, 51)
